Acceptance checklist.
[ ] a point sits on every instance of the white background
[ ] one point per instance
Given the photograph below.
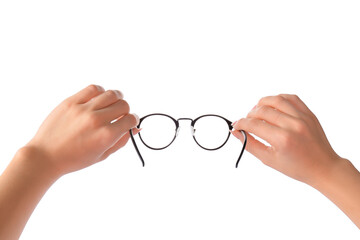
(184, 58)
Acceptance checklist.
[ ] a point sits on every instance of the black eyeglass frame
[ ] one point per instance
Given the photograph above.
(193, 121)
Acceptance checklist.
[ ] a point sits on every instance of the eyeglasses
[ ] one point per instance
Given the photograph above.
(210, 132)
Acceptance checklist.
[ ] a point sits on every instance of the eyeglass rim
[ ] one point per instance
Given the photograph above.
(176, 122)
(162, 114)
(213, 115)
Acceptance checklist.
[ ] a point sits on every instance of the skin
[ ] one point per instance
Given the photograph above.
(80, 132)
(298, 148)
(92, 124)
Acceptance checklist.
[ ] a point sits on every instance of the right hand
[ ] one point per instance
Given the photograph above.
(298, 145)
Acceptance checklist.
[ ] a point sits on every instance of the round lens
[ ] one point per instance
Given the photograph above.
(158, 131)
(211, 132)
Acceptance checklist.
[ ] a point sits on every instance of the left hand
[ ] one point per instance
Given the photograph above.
(84, 129)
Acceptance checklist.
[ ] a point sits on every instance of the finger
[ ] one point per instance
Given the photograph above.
(86, 94)
(124, 124)
(297, 102)
(105, 99)
(114, 111)
(255, 147)
(120, 143)
(280, 103)
(260, 128)
(272, 116)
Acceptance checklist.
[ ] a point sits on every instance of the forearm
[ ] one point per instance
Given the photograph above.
(22, 186)
(342, 186)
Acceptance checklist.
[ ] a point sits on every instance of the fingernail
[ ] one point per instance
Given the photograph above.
(100, 88)
(234, 123)
(254, 108)
(119, 94)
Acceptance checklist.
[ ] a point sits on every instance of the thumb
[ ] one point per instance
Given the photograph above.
(120, 143)
(255, 147)
(238, 135)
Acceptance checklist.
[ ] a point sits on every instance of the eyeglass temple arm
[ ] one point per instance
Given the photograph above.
(136, 148)
(243, 148)
(143, 163)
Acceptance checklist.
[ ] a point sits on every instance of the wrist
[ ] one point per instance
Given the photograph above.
(23, 183)
(341, 185)
(36, 161)
(334, 175)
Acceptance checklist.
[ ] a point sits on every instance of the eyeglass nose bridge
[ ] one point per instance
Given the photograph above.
(192, 130)
(185, 119)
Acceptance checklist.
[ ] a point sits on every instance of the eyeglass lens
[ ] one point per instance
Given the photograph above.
(211, 132)
(157, 131)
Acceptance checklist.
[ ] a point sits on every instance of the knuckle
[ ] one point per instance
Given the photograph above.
(286, 139)
(262, 100)
(67, 104)
(284, 95)
(93, 120)
(300, 126)
(279, 99)
(126, 106)
(295, 97)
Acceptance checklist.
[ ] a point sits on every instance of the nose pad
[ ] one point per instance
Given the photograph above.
(177, 132)
(192, 129)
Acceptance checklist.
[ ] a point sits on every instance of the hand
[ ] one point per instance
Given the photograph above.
(298, 145)
(84, 129)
